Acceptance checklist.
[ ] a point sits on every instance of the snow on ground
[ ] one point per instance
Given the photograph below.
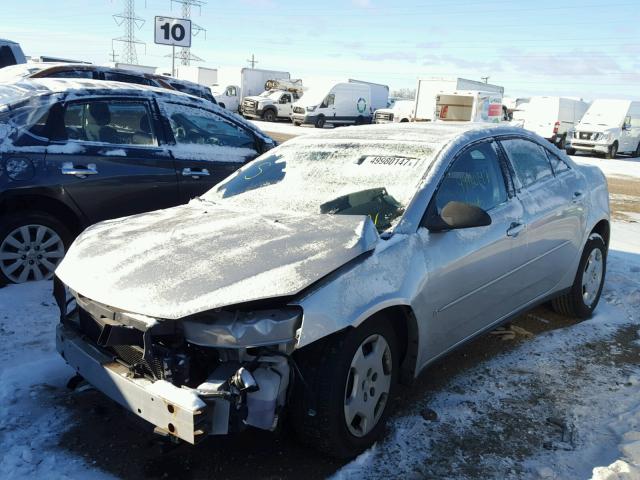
(620, 167)
(563, 405)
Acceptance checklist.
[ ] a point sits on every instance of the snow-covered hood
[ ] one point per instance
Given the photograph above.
(184, 260)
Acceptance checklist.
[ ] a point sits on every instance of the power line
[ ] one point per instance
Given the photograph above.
(185, 55)
(131, 22)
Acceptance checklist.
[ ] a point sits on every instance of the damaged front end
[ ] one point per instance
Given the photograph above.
(207, 374)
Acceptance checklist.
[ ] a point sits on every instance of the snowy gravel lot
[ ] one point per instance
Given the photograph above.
(550, 399)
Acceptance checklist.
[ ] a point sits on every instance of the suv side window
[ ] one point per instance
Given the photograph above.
(558, 164)
(201, 127)
(122, 77)
(72, 74)
(474, 177)
(529, 160)
(116, 122)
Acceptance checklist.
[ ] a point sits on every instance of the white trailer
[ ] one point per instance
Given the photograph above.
(428, 89)
(233, 85)
(202, 75)
(379, 94)
(133, 67)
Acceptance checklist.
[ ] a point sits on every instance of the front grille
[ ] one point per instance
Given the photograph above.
(298, 110)
(133, 357)
(585, 135)
(387, 117)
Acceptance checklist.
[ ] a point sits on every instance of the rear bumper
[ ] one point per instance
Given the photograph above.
(176, 411)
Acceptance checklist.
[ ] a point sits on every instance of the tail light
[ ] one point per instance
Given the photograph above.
(556, 127)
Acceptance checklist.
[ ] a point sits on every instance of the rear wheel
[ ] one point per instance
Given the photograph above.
(352, 379)
(585, 293)
(613, 151)
(269, 116)
(31, 247)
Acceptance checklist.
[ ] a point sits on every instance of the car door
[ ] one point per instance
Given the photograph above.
(207, 147)
(554, 214)
(107, 158)
(471, 271)
(285, 105)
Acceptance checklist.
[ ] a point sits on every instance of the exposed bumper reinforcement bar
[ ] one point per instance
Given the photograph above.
(176, 411)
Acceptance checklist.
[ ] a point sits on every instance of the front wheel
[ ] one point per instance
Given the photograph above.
(352, 379)
(585, 292)
(269, 116)
(320, 122)
(563, 142)
(31, 247)
(612, 152)
(570, 151)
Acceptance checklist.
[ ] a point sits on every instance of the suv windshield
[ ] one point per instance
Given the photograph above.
(369, 178)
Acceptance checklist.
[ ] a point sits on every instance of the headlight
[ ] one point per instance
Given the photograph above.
(239, 329)
(311, 109)
(597, 136)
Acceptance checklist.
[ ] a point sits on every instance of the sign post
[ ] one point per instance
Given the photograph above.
(175, 32)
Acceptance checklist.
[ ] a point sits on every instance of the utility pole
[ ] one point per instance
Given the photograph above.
(253, 61)
(185, 55)
(131, 22)
(113, 56)
(485, 79)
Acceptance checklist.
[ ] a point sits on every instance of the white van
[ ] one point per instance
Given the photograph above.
(400, 112)
(338, 104)
(551, 117)
(609, 127)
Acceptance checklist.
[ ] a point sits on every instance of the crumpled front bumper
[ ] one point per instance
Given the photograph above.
(175, 411)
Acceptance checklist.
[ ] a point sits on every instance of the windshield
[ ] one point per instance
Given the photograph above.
(314, 96)
(606, 113)
(357, 178)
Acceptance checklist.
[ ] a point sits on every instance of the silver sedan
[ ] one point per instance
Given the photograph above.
(326, 271)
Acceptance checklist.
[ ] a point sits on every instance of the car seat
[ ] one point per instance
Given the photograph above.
(99, 130)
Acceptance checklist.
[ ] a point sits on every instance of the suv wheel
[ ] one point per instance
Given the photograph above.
(31, 247)
(613, 151)
(352, 381)
(584, 295)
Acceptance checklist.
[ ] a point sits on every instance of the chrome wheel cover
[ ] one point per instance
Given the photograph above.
(30, 252)
(592, 277)
(368, 385)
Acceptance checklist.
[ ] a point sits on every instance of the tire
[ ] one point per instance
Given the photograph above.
(319, 122)
(583, 297)
(637, 152)
(36, 258)
(360, 120)
(269, 116)
(297, 124)
(570, 151)
(612, 152)
(328, 369)
(563, 142)
(404, 120)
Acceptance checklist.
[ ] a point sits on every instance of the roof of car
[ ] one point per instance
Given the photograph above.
(420, 132)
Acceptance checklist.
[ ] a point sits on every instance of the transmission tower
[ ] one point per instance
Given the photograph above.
(131, 22)
(185, 55)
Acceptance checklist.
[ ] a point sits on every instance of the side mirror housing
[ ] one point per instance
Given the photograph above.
(458, 215)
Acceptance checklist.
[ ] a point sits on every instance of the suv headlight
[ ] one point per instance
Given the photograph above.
(243, 329)
(312, 109)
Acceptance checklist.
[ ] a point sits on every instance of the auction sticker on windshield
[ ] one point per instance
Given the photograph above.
(389, 161)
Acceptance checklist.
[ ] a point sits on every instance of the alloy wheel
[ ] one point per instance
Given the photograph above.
(30, 252)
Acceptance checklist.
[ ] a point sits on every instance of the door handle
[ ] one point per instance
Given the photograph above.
(576, 197)
(69, 169)
(195, 172)
(515, 229)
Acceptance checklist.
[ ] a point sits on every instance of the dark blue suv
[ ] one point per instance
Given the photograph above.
(73, 153)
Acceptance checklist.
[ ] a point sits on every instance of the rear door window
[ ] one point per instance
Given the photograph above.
(114, 122)
(123, 77)
(529, 161)
(72, 74)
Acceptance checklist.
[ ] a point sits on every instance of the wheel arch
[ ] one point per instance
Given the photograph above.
(603, 228)
(43, 203)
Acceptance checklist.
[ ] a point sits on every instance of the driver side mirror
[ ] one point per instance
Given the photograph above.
(458, 215)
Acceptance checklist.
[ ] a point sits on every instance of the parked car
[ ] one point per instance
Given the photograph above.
(75, 153)
(401, 112)
(98, 72)
(10, 53)
(317, 276)
(609, 127)
(334, 104)
(551, 117)
(234, 85)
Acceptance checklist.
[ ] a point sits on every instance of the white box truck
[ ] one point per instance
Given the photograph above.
(202, 75)
(341, 103)
(233, 85)
(428, 89)
(274, 103)
(10, 53)
(608, 127)
(551, 117)
(379, 94)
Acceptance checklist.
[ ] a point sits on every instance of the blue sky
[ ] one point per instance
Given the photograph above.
(584, 48)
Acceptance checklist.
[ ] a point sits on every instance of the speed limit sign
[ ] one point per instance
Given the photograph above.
(173, 31)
